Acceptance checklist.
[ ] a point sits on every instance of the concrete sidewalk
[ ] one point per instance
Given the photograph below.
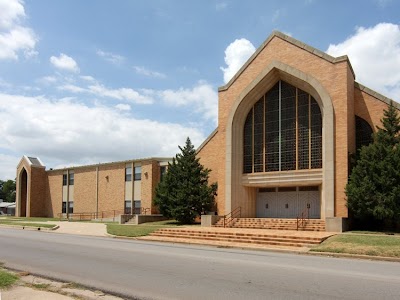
(81, 228)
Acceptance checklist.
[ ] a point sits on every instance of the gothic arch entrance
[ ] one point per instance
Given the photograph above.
(23, 193)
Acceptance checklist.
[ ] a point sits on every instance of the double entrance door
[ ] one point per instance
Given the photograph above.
(288, 202)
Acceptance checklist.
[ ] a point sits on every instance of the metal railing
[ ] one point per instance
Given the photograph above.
(106, 214)
(228, 219)
(303, 218)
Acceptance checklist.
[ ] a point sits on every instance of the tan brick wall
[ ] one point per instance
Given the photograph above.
(38, 192)
(85, 186)
(210, 156)
(150, 179)
(111, 187)
(369, 108)
(54, 193)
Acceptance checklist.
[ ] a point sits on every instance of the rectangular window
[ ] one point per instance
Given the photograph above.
(163, 170)
(138, 206)
(128, 207)
(71, 207)
(64, 179)
(138, 173)
(128, 174)
(64, 208)
(71, 178)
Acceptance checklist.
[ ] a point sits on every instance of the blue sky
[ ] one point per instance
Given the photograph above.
(96, 81)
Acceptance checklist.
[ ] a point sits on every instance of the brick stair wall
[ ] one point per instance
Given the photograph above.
(232, 237)
(277, 224)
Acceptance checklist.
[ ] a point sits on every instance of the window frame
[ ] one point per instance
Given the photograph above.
(128, 175)
(138, 175)
(71, 178)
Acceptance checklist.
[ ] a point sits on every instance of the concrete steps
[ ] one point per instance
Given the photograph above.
(277, 224)
(239, 237)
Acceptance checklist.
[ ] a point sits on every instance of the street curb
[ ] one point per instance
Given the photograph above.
(32, 228)
(357, 256)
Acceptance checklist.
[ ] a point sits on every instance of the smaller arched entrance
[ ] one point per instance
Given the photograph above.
(23, 193)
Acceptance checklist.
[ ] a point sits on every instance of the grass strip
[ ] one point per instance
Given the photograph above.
(26, 224)
(378, 245)
(7, 279)
(132, 230)
(28, 219)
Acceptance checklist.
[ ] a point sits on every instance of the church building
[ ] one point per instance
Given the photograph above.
(287, 123)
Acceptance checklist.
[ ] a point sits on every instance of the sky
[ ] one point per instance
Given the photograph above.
(84, 82)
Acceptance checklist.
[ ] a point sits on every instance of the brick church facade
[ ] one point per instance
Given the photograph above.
(287, 123)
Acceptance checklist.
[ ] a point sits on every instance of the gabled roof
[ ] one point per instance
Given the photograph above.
(294, 42)
(32, 161)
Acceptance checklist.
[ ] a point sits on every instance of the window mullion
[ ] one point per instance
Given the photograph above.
(297, 127)
(280, 125)
(264, 141)
(252, 142)
(309, 131)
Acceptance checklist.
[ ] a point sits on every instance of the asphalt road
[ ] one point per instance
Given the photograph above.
(147, 270)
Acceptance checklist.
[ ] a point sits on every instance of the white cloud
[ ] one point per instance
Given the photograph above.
(383, 3)
(14, 37)
(221, 6)
(100, 90)
(149, 73)
(127, 94)
(8, 165)
(236, 54)
(88, 78)
(64, 62)
(203, 98)
(121, 106)
(47, 80)
(63, 132)
(72, 88)
(276, 15)
(375, 56)
(111, 57)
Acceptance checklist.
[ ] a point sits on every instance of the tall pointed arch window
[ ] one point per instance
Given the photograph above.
(283, 131)
(363, 133)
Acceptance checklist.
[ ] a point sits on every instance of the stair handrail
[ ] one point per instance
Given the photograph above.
(303, 218)
(228, 218)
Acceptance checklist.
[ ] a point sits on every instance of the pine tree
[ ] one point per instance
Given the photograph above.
(184, 192)
(373, 190)
(389, 134)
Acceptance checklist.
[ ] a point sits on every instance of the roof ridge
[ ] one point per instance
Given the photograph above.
(294, 42)
(376, 95)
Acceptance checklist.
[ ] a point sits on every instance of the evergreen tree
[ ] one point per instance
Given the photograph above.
(373, 190)
(184, 192)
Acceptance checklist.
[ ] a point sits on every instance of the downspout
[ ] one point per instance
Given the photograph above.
(67, 204)
(97, 192)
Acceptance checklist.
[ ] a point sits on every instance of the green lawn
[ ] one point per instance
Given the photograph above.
(28, 222)
(364, 244)
(7, 279)
(131, 230)
(141, 229)
(32, 219)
